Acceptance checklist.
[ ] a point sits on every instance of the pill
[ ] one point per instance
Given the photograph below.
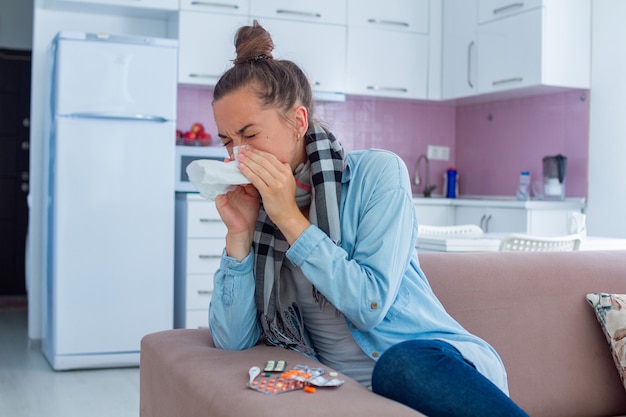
(309, 389)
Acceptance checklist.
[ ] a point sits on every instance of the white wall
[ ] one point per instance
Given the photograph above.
(47, 23)
(16, 24)
(607, 120)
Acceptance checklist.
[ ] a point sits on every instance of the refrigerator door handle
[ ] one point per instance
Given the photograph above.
(112, 116)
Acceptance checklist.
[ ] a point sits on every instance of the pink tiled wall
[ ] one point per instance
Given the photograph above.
(497, 140)
(489, 152)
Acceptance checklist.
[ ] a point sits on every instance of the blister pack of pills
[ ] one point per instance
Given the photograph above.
(301, 377)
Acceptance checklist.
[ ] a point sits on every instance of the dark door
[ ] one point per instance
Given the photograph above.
(14, 158)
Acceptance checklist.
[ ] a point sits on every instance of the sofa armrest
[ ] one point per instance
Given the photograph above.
(183, 374)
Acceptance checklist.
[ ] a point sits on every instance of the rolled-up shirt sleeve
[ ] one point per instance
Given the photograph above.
(232, 312)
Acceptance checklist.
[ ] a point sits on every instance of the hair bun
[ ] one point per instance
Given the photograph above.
(253, 44)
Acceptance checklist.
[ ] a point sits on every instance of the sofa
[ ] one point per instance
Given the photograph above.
(531, 307)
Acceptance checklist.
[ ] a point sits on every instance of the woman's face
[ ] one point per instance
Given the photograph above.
(242, 121)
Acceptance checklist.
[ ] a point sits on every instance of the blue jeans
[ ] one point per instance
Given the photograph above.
(433, 378)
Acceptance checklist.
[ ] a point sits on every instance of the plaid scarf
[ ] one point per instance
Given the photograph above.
(276, 300)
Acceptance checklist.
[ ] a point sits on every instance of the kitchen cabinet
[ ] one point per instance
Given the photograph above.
(199, 244)
(319, 50)
(376, 69)
(492, 46)
(323, 11)
(310, 34)
(240, 7)
(493, 220)
(115, 5)
(459, 50)
(500, 215)
(542, 46)
(405, 15)
(434, 211)
(495, 9)
(535, 217)
(206, 45)
(388, 48)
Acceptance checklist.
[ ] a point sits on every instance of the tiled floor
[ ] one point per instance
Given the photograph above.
(30, 388)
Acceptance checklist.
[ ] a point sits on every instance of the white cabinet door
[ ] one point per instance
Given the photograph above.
(203, 220)
(199, 290)
(459, 52)
(517, 45)
(206, 45)
(510, 52)
(146, 4)
(318, 49)
(435, 215)
(241, 7)
(388, 45)
(494, 220)
(496, 9)
(408, 15)
(387, 63)
(549, 222)
(321, 11)
(546, 46)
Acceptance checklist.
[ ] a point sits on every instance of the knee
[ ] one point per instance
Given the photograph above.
(406, 361)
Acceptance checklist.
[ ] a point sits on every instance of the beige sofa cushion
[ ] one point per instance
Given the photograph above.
(183, 375)
(531, 308)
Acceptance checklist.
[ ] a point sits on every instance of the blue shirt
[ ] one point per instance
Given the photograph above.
(372, 275)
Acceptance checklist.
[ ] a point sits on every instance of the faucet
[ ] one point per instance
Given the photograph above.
(428, 188)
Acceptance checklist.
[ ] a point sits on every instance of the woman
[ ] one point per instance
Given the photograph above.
(320, 251)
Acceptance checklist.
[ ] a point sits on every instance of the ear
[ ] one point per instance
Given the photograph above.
(301, 118)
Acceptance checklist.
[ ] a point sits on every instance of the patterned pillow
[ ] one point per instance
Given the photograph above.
(610, 310)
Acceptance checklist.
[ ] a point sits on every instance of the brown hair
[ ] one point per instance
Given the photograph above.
(278, 83)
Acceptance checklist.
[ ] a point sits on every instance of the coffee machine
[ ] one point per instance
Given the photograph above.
(554, 170)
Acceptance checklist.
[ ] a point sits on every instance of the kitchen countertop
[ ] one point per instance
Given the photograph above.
(577, 203)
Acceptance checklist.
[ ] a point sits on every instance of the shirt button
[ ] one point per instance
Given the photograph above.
(354, 327)
(374, 305)
(375, 354)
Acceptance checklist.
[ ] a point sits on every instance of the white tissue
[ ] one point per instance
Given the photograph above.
(212, 178)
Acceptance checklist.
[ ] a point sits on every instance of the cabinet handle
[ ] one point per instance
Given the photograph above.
(381, 88)
(214, 4)
(508, 7)
(299, 13)
(482, 221)
(205, 220)
(201, 256)
(204, 292)
(470, 47)
(487, 220)
(194, 75)
(388, 22)
(508, 81)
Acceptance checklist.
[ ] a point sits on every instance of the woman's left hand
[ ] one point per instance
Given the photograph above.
(275, 182)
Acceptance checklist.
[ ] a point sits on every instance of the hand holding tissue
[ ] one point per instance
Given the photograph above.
(212, 178)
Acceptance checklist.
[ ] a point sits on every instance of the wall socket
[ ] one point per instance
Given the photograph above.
(438, 153)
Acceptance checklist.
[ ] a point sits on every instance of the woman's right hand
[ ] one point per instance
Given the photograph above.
(239, 210)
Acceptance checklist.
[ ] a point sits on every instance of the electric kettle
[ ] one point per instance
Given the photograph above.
(554, 169)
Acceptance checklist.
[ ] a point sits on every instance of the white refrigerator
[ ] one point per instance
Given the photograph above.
(109, 215)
